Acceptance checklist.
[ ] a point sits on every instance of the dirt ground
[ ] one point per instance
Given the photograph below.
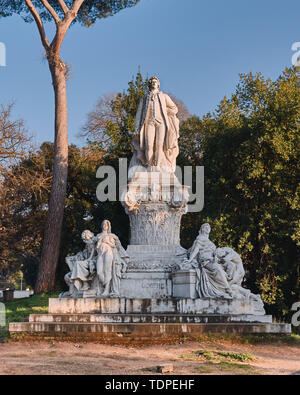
(54, 358)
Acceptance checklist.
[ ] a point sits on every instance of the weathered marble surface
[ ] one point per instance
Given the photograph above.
(155, 203)
(146, 284)
(164, 318)
(170, 305)
(154, 257)
(114, 333)
(184, 284)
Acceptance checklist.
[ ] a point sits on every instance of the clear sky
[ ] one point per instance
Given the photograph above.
(196, 47)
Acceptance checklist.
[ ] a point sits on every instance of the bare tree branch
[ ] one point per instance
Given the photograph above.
(63, 27)
(51, 10)
(63, 6)
(14, 139)
(39, 23)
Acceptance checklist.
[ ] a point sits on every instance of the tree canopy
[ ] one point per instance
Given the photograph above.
(89, 12)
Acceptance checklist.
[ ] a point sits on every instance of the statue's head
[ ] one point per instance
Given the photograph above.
(220, 253)
(87, 236)
(106, 226)
(205, 229)
(154, 83)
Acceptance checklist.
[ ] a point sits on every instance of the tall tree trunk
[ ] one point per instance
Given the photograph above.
(52, 236)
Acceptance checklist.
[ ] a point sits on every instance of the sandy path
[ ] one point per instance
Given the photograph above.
(70, 358)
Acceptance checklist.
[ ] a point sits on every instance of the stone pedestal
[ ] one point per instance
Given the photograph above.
(155, 223)
(203, 306)
(155, 203)
(123, 320)
(184, 284)
(154, 257)
(146, 285)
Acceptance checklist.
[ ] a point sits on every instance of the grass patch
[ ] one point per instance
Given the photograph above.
(253, 339)
(220, 356)
(216, 362)
(225, 367)
(233, 356)
(19, 309)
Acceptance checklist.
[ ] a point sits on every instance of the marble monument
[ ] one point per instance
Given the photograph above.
(154, 288)
(154, 264)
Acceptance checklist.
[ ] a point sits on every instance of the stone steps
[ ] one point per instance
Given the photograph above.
(139, 330)
(149, 318)
(144, 321)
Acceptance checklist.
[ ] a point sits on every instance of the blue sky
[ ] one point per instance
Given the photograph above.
(196, 47)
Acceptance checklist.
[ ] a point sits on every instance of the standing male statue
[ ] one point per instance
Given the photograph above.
(156, 132)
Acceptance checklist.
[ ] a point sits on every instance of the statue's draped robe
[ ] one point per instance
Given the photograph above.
(170, 148)
(211, 277)
(81, 268)
(110, 261)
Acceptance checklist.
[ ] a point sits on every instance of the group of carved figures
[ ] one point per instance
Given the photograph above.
(220, 271)
(99, 266)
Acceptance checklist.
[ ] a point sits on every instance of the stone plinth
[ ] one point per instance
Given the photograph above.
(184, 284)
(155, 224)
(150, 306)
(154, 257)
(136, 333)
(144, 321)
(146, 285)
(144, 318)
(155, 203)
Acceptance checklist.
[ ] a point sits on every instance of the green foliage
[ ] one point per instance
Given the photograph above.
(251, 154)
(90, 11)
(226, 367)
(219, 356)
(23, 195)
(19, 309)
(23, 209)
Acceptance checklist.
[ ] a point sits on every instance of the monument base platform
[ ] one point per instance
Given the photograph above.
(137, 333)
(147, 321)
(150, 306)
